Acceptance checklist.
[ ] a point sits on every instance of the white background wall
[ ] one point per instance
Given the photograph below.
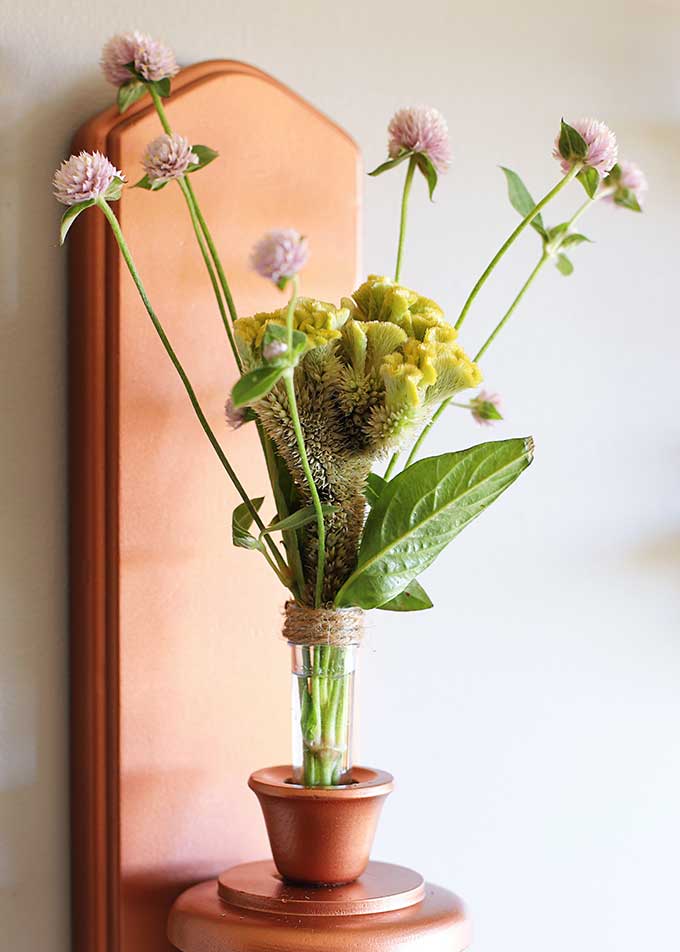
(532, 718)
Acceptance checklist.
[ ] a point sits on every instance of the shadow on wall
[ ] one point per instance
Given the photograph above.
(33, 574)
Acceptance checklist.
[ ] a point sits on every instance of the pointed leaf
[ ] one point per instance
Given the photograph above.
(429, 171)
(590, 180)
(241, 521)
(521, 200)
(255, 385)
(627, 199)
(571, 143)
(70, 216)
(162, 87)
(564, 265)
(205, 155)
(374, 486)
(129, 93)
(574, 239)
(414, 598)
(391, 163)
(297, 520)
(421, 510)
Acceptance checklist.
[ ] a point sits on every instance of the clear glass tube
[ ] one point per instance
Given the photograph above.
(322, 706)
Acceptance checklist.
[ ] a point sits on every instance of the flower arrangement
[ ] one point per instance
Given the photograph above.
(340, 390)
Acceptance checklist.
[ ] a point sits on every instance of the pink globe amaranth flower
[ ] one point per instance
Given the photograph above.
(280, 255)
(630, 177)
(152, 59)
(274, 349)
(84, 177)
(420, 129)
(235, 416)
(168, 157)
(602, 148)
(485, 408)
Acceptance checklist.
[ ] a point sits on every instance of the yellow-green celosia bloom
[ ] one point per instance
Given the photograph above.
(321, 323)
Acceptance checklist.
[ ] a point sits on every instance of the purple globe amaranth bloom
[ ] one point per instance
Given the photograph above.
(86, 177)
(420, 129)
(280, 255)
(626, 178)
(168, 157)
(235, 416)
(602, 148)
(152, 59)
(274, 349)
(484, 408)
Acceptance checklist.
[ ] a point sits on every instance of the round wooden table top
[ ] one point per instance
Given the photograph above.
(250, 909)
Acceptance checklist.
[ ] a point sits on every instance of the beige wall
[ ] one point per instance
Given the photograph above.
(532, 717)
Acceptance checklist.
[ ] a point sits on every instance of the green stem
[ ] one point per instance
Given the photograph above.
(289, 384)
(160, 109)
(404, 212)
(127, 257)
(191, 205)
(573, 172)
(545, 257)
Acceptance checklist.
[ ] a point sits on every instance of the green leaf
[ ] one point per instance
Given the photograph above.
(627, 199)
(421, 510)
(70, 216)
(414, 598)
(521, 200)
(205, 155)
(429, 171)
(298, 519)
(129, 93)
(374, 486)
(255, 385)
(391, 163)
(564, 265)
(590, 180)
(241, 521)
(574, 239)
(277, 332)
(162, 87)
(571, 143)
(148, 185)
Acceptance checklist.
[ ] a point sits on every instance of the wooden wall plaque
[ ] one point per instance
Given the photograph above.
(179, 677)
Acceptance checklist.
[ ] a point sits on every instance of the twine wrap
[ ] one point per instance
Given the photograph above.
(337, 627)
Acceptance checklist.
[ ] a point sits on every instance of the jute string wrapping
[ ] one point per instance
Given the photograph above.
(337, 627)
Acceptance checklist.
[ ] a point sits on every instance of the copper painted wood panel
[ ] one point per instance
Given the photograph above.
(179, 684)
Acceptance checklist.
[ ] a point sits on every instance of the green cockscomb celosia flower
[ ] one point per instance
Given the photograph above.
(400, 361)
(321, 323)
(374, 372)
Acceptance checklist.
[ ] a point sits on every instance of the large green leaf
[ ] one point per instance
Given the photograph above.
(414, 598)
(521, 200)
(421, 510)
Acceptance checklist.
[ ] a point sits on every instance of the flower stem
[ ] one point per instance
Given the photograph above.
(203, 237)
(404, 212)
(289, 384)
(191, 205)
(127, 257)
(162, 115)
(573, 172)
(547, 255)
